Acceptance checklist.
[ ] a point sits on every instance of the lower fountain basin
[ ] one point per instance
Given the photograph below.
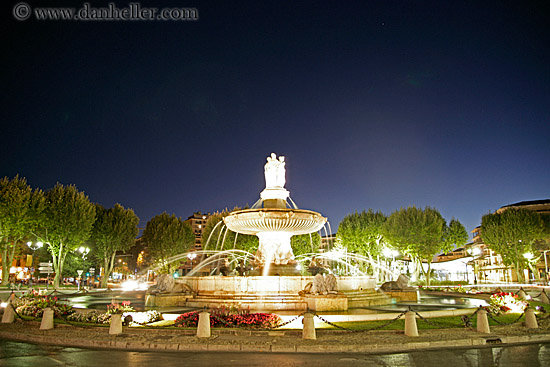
(266, 293)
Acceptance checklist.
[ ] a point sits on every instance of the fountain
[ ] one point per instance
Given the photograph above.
(276, 284)
(274, 223)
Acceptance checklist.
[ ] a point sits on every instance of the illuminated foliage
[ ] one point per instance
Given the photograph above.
(65, 223)
(115, 229)
(18, 208)
(166, 236)
(513, 233)
(422, 234)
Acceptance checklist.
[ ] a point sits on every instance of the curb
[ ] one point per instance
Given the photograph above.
(211, 346)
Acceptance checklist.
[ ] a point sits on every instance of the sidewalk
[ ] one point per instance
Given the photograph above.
(283, 341)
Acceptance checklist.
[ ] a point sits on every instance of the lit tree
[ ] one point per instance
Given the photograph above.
(361, 233)
(64, 224)
(115, 229)
(167, 236)
(305, 243)
(19, 207)
(513, 234)
(422, 234)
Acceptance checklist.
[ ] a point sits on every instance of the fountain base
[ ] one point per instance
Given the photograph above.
(277, 270)
(268, 293)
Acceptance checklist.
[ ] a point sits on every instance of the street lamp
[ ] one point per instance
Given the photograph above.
(34, 246)
(474, 251)
(84, 251)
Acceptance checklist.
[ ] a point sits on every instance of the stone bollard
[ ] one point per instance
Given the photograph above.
(482, 322)
(47, 319)
(544, 297)
(410, 324)
(115, 326)
(308, 331)
(203, 329)
(522, 294)
(9, 315)
(531, 319)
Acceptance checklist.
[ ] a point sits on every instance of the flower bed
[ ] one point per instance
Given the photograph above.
(33, 304)
(503, 302)
(252, 320)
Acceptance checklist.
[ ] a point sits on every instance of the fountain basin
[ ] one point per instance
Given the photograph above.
(268, 293)
(292, 221)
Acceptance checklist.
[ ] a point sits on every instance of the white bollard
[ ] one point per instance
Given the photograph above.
(308, 331)
(9, 315)
(544, 298)
(482, 322)
(203, 328)
(47, 319)
(410, 324)
(522, 294)
(531, 319)
(115, 326)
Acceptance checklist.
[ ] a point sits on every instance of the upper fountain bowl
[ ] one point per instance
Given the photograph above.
(295, 221)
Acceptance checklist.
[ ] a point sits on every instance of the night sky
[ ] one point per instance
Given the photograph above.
(374, 104)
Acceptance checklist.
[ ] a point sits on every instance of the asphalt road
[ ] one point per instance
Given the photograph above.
(15, 354)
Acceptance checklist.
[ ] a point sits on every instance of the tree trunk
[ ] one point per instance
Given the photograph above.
(519, 272)
(7, 259)
(57, 266)
(5, 267)
(108, 268)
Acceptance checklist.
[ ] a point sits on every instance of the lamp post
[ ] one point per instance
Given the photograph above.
(34, 246)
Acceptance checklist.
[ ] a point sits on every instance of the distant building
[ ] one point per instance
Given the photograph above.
(197, 221)
(539, 206)
(327, 242)
(489, 266)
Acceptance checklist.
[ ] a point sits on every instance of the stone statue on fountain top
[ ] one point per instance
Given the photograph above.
(275, 171)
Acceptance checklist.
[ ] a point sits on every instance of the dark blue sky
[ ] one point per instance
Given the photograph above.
(375, 104)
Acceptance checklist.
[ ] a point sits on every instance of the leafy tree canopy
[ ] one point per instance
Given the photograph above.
(115, 229)
(166, 236)
(65, 223)
(361, 233)
(19, 207)
(513, 233)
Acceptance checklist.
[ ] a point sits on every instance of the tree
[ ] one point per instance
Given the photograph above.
(361, 233)
(305, 243)
(513, 233)
(19, 206)
(455, 233)
(422, 234)
(166, 236)
(65, 223)
(115, 229)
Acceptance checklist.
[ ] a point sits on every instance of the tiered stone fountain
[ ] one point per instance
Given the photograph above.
(274, 220)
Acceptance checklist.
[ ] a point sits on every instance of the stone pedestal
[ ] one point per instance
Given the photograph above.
(544, 298)
(521, 294)
(531, 319)
(47, 319)
(482, 322)
(410, 324)
(203, 329)
(308, 331)
(116, 324)
(403, 295)
(329, 302)
(9, 315)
